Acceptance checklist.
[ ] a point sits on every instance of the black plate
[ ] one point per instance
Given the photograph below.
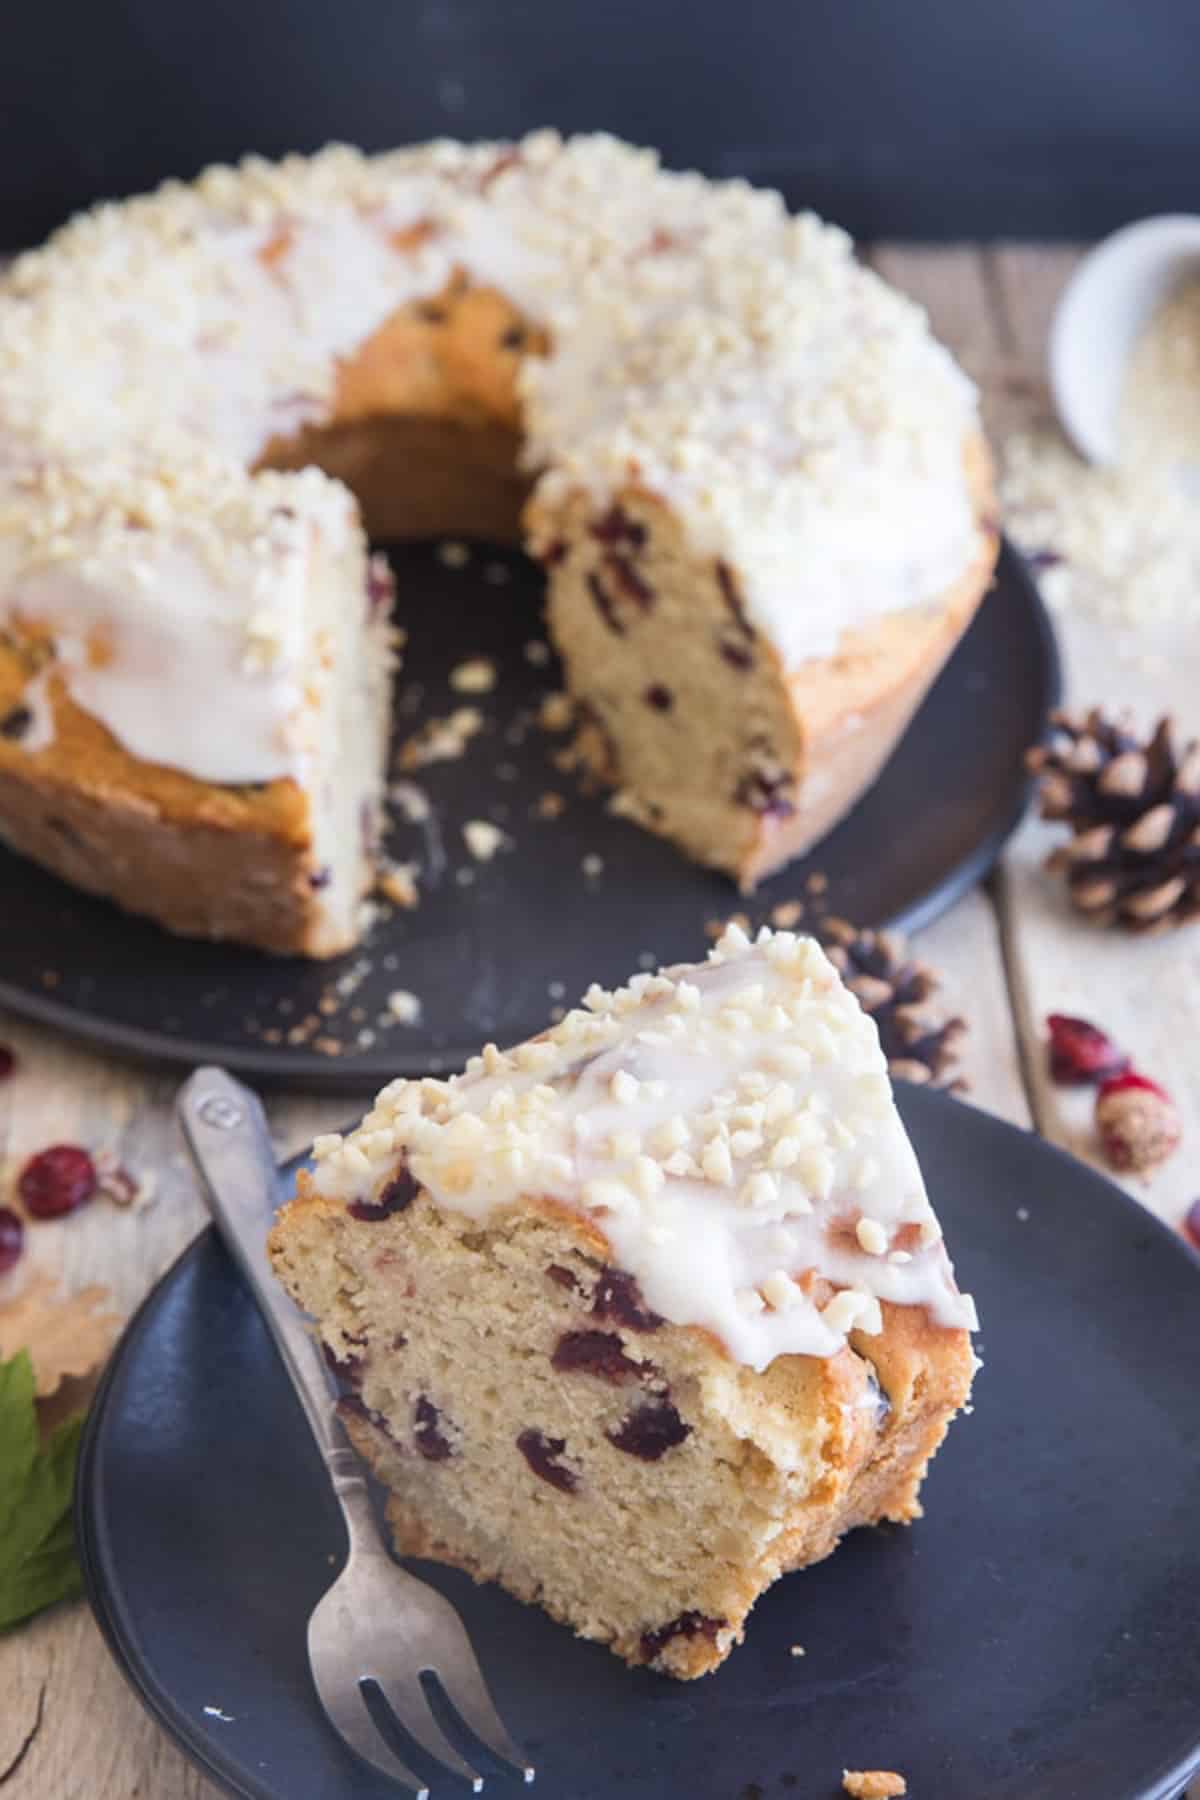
(1037, 1637)
(489, 959)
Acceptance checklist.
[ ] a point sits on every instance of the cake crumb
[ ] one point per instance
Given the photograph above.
(787, 914)
(483, 839)
(816, 882)
(873, 1784)
(411, 802)
(475, 676)
(442, 740)
(452, 554)
(798, 1650)
(498, 574)
(397, 882)
(592, 865)
(550, 806)
(1023, 1213)
(556, 712)
(404, 1006)
(537, 652)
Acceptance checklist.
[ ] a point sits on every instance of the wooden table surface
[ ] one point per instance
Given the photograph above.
(1009, 953)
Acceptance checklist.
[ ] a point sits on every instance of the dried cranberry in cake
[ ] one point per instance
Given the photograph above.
(346, 1368)
(598, 1353)
(57, 1181)
(617, 1296)
(605, 604)
(542, 1453)
(659, 697)
(616, 527)
(627, 577)
(8, 1062)
(320, 878)
(688, 1624)
(562, 1277)
(736, 653)
(398, 1195)
(12, 1239)
(1191, 1223)
(733, 599)
(650, 1431)
(554, 553)
(770, 795)
(431, 1442)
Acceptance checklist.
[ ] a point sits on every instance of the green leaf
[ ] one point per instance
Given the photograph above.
(37, 1545)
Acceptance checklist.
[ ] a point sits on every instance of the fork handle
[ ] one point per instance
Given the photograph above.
(226, 1132)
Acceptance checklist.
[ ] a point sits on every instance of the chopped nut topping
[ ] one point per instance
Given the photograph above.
(476, 676)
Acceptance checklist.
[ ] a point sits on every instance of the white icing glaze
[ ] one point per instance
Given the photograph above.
(728, 357)
(727, 1127)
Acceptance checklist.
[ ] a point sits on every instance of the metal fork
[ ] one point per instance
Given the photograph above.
(377, 1623)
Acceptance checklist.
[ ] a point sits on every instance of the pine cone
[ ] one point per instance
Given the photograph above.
(1133, 858)
(917, 1038)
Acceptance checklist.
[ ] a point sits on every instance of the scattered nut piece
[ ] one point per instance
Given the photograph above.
(404, 1007)
(873, 1784)
(787, 914)
(556, 712)
(453, 555)
(483, 839)
(397, 882)
(550, 806)
(442, 740)
(475, 676)
(411, 801)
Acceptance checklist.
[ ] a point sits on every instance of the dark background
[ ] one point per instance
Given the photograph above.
(918, 118)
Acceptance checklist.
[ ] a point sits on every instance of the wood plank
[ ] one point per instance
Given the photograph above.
(1145, 992)
(96, 1741)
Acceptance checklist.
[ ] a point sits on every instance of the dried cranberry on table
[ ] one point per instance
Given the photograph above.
(57, 1181)
(12, 1239)
(1080, 1053)
(1137, 1123)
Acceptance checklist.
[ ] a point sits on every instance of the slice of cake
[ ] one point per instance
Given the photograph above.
(194, 719)
(648, 1311)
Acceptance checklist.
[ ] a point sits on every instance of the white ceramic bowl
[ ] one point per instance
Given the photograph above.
(1100, 315)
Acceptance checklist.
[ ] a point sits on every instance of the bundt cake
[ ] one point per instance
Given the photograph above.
(637, 1317)
(756, 482)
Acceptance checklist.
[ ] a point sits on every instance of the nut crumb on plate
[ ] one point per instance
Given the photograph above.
(404, 1006)
(411, 801)
(550, 806)
(475, 676)
(483, 839)
(397, 882)
(873, 1784)
(556, 713)
(442, 740)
